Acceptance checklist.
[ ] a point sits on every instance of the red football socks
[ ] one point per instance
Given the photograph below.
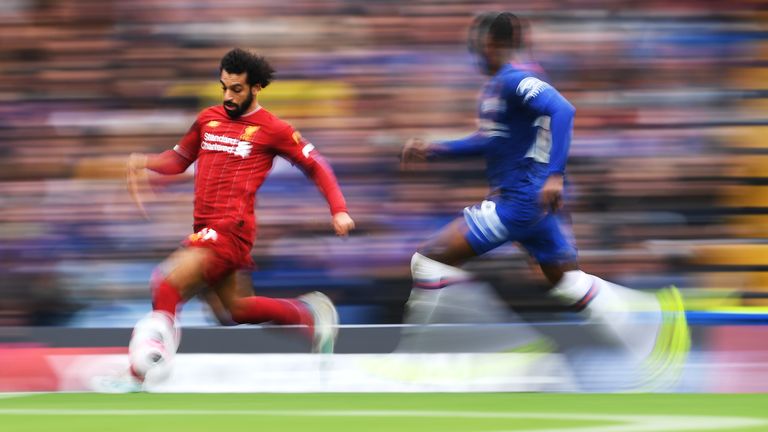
(165, 297)
(255, 310)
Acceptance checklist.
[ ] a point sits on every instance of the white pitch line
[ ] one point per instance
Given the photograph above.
(16, 395)
(651, 423)
(629, 423)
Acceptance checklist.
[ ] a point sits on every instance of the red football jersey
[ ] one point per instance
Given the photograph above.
(233, 158)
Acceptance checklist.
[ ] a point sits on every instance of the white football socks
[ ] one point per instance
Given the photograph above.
(429, 279)
(629, 316)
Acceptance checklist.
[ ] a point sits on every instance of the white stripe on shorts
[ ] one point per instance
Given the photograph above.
(484, 217)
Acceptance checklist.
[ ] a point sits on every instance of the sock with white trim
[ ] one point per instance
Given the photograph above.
(626, 315)
(430, 277)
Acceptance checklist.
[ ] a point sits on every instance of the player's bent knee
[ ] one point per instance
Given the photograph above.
(428, 273)
(185, 269)
(237, 316)
(238, 312)
(421, 262)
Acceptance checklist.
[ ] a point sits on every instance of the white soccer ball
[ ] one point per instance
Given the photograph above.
(153, 346)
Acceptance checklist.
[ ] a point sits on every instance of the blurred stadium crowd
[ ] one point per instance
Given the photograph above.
(669, 164)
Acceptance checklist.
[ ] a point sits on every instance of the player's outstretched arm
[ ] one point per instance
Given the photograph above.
(343, 224)
(168, 162)
(418, 150)
(303, 154)
(545, 100)
(319, 171)
(137, 181)
(415, 150)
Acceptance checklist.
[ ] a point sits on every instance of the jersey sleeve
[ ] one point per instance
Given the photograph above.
(471, 145)
(544, 100)
(168, 162)
(291, 145)
(189, 145)
(177, 161)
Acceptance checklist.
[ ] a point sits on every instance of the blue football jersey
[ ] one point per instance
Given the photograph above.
(524, 132)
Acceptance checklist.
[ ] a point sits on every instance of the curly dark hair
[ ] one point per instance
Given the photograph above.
(258, 69)
(504, 28)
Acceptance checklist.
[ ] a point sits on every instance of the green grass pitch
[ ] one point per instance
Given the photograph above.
(446, 412)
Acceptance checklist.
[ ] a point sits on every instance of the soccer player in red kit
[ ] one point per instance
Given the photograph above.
(233, 146)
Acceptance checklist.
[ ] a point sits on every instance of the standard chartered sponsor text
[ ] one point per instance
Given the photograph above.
(241, 148)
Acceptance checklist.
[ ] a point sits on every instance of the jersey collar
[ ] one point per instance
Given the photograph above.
(255, 110)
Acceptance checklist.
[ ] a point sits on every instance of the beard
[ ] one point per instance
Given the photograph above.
(236, 110)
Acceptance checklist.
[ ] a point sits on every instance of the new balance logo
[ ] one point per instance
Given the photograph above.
(204, 235)
(530, 87)
(307, 150)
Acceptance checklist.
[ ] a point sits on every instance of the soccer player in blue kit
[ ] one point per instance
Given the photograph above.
(524, 134)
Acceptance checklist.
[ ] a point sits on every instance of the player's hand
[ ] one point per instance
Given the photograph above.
(414, 150)
(342, 224)
(551, 195)
(137, 181)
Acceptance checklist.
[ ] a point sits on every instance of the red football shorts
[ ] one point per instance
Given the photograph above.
(230, 252)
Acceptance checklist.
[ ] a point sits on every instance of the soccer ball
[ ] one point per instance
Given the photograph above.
(153, 346)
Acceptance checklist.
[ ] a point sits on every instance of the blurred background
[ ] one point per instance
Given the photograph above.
(669, 160)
